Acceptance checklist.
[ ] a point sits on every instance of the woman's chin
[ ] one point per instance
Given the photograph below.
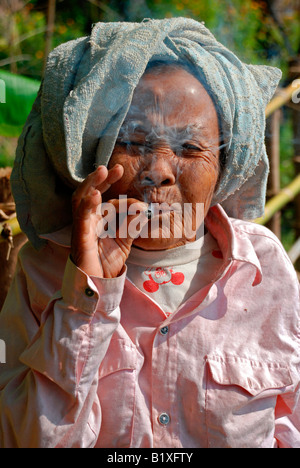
(158, 240)
(157, 244)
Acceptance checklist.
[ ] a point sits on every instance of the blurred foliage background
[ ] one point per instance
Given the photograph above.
(260, 32)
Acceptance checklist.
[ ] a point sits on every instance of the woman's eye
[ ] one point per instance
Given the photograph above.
(131, 143)
(128, 143)
(136, 147)
(188, 146)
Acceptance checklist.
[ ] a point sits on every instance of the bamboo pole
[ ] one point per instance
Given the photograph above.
(285, 196)
(50, 30)
(294, 252)
(294, 70)
(283, 96)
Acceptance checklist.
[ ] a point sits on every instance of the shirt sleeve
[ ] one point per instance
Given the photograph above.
(48, 384)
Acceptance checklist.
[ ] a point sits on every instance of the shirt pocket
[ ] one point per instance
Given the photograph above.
(116, 392)
(240, 400)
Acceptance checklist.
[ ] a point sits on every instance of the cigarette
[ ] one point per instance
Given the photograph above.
(149, 212)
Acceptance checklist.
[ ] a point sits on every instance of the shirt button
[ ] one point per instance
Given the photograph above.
(164, 330)
(89, 292)
(164, 419)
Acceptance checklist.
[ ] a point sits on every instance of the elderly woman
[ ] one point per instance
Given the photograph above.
(121, 329)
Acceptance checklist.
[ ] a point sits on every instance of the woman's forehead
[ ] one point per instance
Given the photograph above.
(171, 86)
(172, 98)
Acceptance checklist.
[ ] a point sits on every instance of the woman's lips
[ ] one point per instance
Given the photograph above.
(155, 209)
(159, 201)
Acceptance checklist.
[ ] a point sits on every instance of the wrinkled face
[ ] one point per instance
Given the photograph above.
(169, 148)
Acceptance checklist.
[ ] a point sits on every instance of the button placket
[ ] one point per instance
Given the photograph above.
(164, 396)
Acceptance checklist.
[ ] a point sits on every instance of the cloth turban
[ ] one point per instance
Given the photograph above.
(84, 98)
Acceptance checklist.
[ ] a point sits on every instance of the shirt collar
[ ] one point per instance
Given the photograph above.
(233, 243)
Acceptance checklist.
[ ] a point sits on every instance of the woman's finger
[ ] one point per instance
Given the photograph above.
(121, 218)
(94, 179)
(114, 174)
(87, 206)
(101, 178)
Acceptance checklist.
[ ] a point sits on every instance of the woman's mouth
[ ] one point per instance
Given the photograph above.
(155, 209)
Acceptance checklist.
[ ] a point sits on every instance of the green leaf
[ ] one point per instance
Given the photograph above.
(17, 94)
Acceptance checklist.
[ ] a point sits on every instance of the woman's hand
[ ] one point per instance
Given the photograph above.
(101, 257)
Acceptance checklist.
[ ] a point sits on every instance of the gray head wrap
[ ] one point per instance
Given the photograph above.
(86, 94)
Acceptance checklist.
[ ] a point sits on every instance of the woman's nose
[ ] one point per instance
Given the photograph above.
(158, 173)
